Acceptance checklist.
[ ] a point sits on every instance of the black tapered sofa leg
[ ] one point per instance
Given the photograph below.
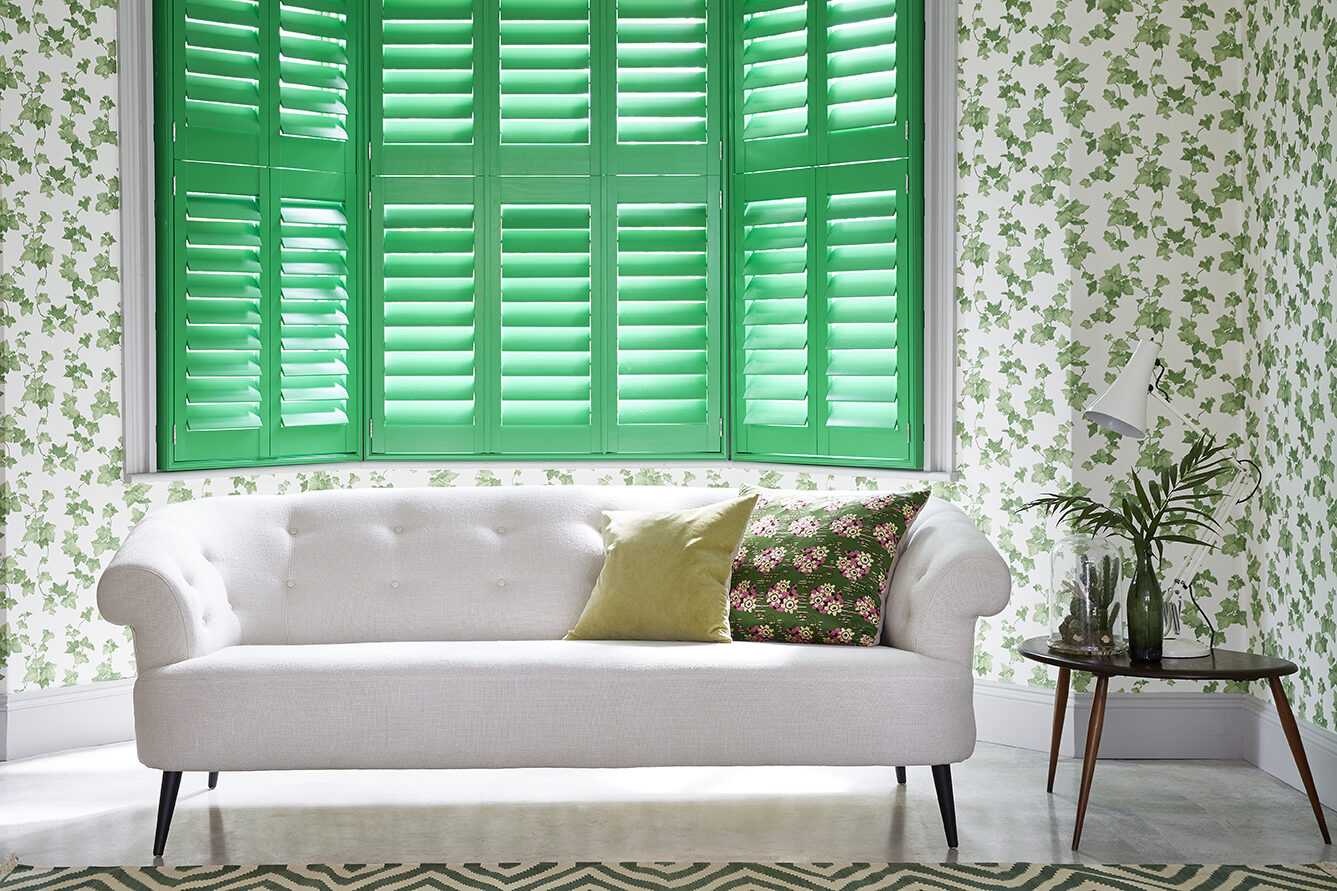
(171, 784)
(942, 781)
(900, 775)
(213, 779)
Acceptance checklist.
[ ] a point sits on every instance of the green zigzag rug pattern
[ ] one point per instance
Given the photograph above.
(677, 877)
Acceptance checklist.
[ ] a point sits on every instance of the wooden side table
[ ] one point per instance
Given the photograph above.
(1224, 665)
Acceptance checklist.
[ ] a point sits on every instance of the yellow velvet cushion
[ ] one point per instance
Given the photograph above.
(666, 574)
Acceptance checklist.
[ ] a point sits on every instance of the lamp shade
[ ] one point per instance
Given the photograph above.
(1123, 407)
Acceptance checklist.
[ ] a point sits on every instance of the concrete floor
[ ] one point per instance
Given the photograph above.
(96, 807)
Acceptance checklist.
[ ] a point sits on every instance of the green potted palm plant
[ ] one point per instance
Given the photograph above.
(1168, 507)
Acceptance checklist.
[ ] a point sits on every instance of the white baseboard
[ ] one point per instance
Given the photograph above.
(1229, 726)
(41, 721)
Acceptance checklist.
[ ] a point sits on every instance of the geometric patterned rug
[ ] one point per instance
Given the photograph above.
(676, 877)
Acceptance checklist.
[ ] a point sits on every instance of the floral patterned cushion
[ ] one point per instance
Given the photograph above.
(811, 569)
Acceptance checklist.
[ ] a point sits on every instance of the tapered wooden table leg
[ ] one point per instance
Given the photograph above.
(1298, 750)
(1092, 748)
(1060, 710)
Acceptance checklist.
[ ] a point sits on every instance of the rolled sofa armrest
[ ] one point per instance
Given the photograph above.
(161, 584)
(946, 576)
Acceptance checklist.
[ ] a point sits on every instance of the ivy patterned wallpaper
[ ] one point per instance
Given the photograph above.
(1102, 182)
(1290, 121)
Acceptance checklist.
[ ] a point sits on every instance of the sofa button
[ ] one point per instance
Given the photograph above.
(291, 583)
(395, 583)
(501, 530)
(501, 583)
(292, 530)
(399, 528)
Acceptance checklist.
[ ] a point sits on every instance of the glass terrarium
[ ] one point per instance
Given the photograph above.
(1086, 615)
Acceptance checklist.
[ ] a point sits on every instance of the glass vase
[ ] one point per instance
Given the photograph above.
(1085, 608)
(1146, 624)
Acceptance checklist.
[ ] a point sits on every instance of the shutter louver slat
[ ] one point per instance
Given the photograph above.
(775, 312)
(220, 91)
(427, 82)
(546, 324)
(221, 301)
(662, 314)
(314, 279)
(545, 72)
(661, 71)
(428, 246)
(861, 314)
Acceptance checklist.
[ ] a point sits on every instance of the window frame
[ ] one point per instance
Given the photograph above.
(139, 261)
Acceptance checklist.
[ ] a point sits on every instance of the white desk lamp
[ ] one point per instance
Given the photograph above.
(1123, 409)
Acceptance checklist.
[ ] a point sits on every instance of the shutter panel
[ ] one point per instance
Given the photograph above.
(219, 368)
(545, 65)
(314, 47)
(863, 117)
(866, 311)
(666, 324)
(220, 94)
(774, 333)
(774, 85)
(318, 405)
(663, 120)
(547, 287)
(428, 54)
(428, 320)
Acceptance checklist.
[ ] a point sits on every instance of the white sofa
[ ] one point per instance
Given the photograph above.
(421, 628)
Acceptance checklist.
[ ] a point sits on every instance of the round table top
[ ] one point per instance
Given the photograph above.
(1228, 665)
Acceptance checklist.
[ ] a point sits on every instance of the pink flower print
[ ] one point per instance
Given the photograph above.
(887, 535)
(804, 525)
(765, 527)
(768, 559)
(788, 604)
(866, 640)
(748, 604)
(826, 600)
(777, 594)
(741, 592)
(793, 503)
(847, 525)
(801, 634)
(878, 502)
(854, 565)
(740, 559)
(759, 632)
(909, 510)
(867, 608)
(840, 635)
(810, 559)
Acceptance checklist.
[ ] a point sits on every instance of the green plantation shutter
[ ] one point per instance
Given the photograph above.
(546, 65)
(426, 60)
(773, 80)
(866, 311)
(430, 316)
(663, 121)
(548, 279)
(865, 116)
(826, 252)
(774, 335)
(221, 91)
(666, 324)
(260, 303)
(314, 70)
(319, 400)
(220, 340)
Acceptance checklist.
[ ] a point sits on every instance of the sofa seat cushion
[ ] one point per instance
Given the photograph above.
(550, 703)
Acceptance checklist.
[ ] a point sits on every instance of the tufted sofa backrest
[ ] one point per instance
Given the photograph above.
(411, 564)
